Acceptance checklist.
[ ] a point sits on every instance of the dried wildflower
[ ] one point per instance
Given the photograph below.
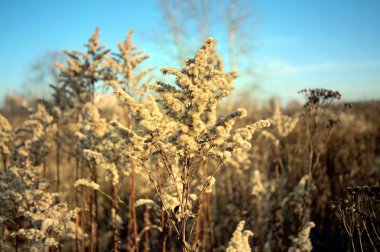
(83, 71)
(319, 97)
(87, 183)
(32, 138)
(122, 67)
(112, 174)
(302, 243)
(26, 196)
(360, 212)
(242, 136)
(147, 202)
(183, 131)
(51, 242)
(258, 187)
(297, 196)
(283, 124)
(207, 187)
(239, 241)
(6, 137)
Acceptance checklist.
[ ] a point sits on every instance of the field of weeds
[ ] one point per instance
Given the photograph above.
(116, 161)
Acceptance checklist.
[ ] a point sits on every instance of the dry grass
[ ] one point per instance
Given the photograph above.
(171, 167)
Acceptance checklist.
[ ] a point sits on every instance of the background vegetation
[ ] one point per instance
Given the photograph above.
(124, 157)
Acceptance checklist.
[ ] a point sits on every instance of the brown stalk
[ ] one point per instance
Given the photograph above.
(77, 231)
(91, 221)
(164, 233)
(147, 224)
(58, 159)
(116, 231)
(133, 210)
(209, 219)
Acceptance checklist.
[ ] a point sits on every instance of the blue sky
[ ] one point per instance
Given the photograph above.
(298, 44)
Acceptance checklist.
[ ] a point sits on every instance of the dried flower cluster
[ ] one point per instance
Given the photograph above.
(168, 166)
(359, 213)
(182, 133)
(319, 96)
(239, 241)
(29, 211)
(302, 243)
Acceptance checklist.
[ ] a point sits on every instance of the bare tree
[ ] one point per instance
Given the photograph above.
(237, 18)
(172, 12)
(41, 73)
(233, 19)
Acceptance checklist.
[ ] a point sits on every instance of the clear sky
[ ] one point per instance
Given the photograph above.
(299, 44)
